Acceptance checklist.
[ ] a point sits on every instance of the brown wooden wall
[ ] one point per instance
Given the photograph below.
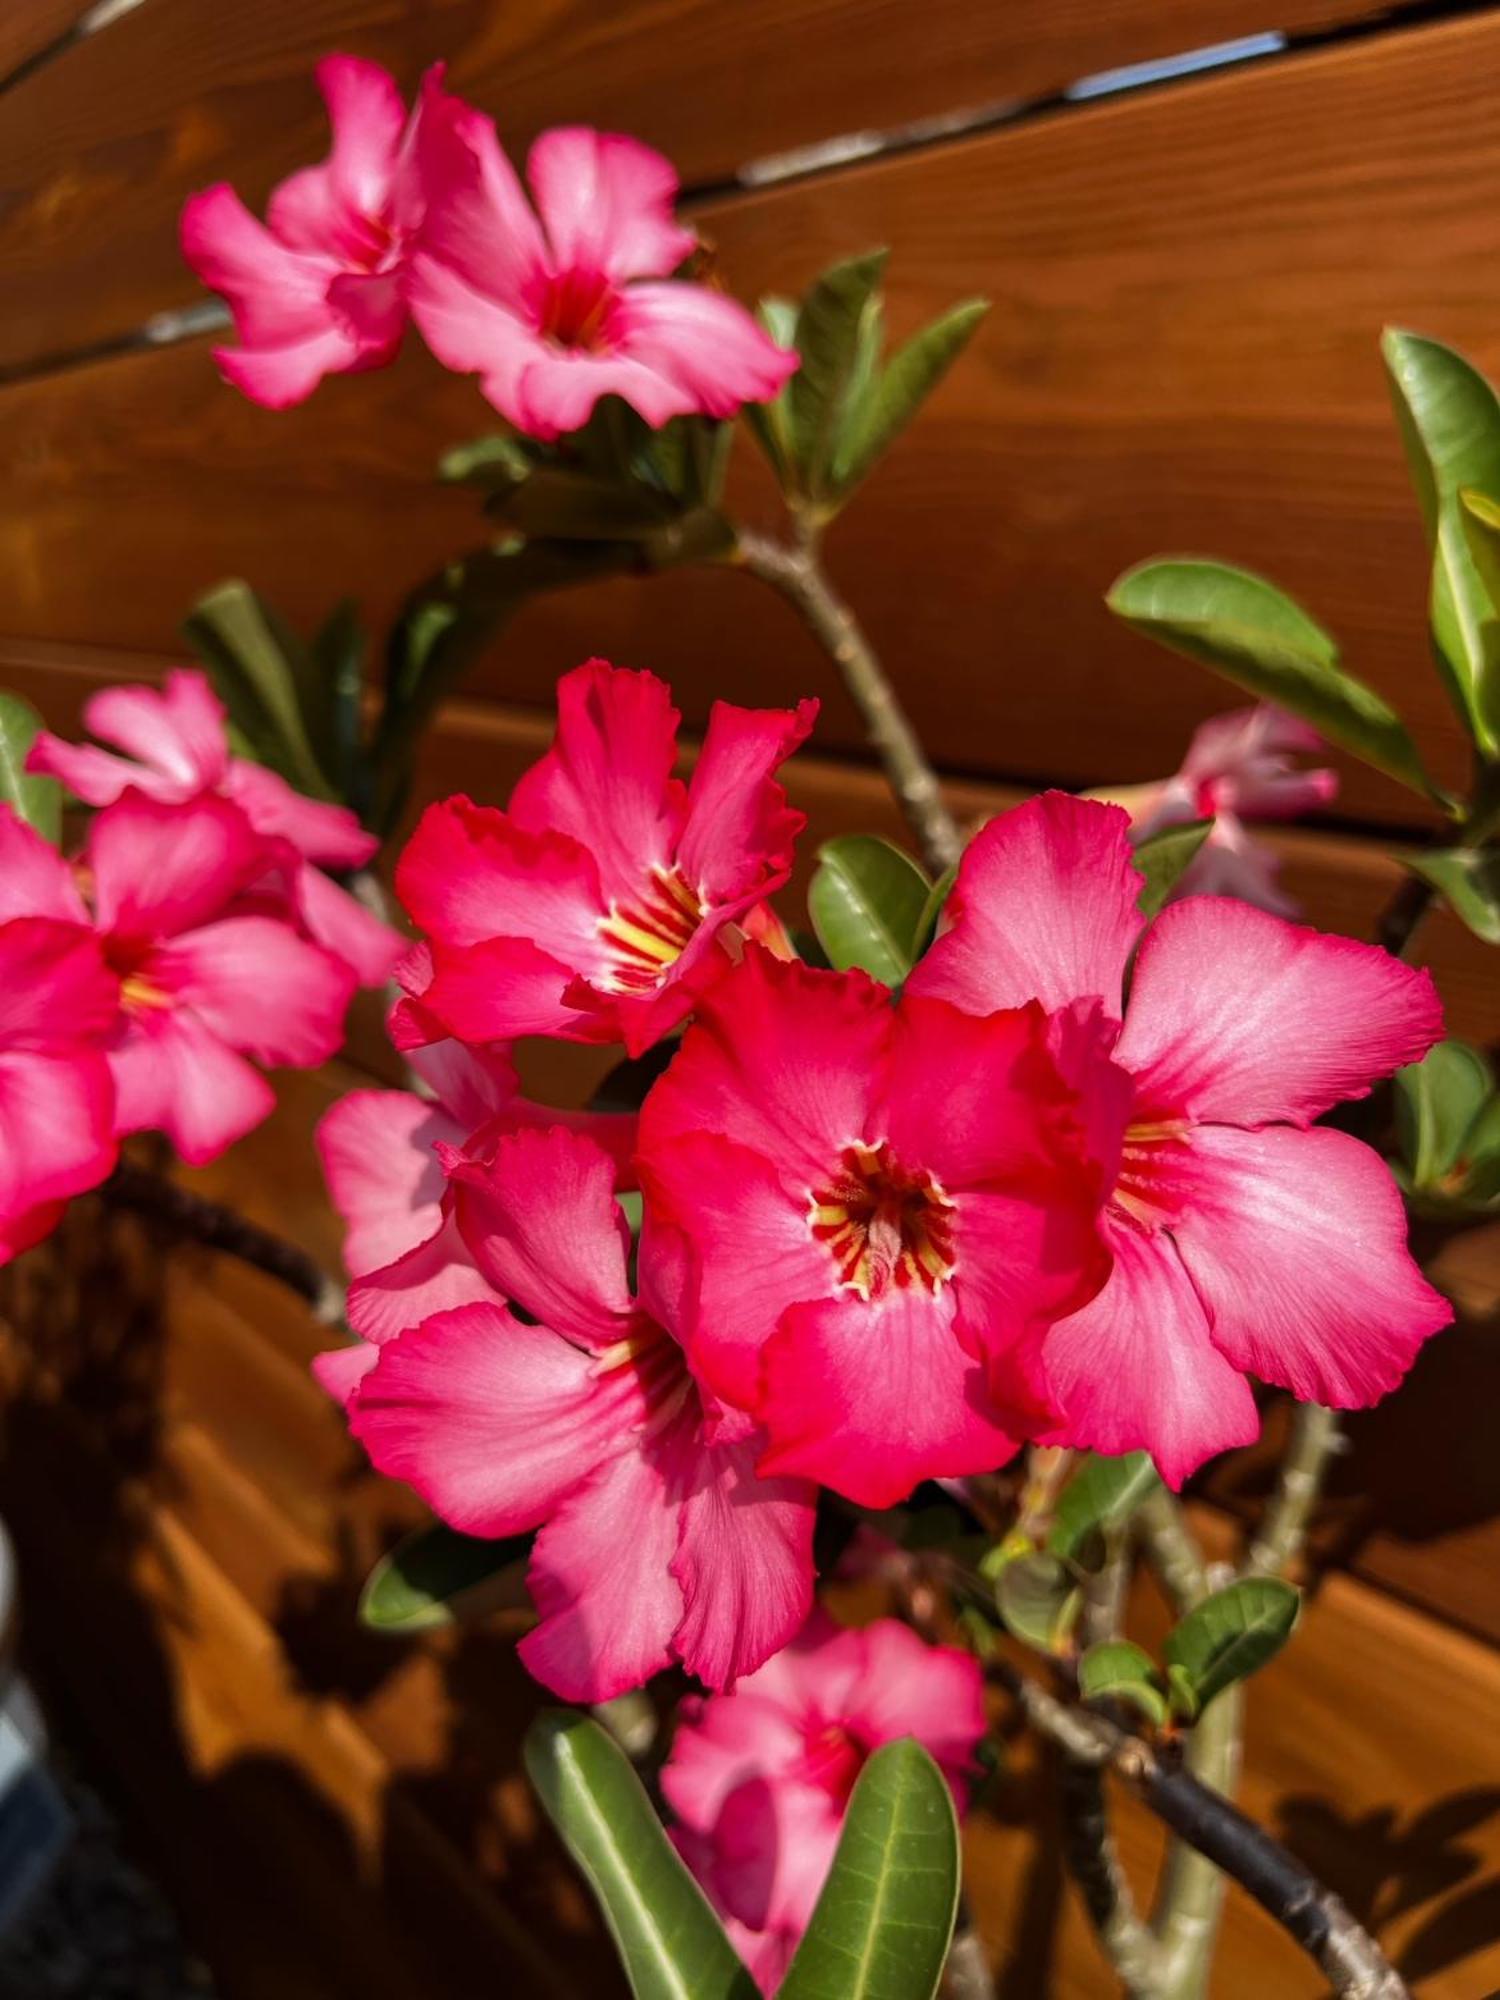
(1189, 279)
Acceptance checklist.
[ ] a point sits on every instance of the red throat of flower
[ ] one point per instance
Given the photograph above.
(575, 309)
(646, 938)
(884, 1224)
(834, 1760)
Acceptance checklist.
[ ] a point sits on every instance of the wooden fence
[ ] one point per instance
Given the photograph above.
(1189, 275)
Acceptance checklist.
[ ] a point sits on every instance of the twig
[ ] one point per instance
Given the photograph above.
(221, 1228)
(800, 577)
(1191, 1897)
(1314, 1440)
(1171, 1549)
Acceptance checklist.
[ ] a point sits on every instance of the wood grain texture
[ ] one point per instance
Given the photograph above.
(98, 152)
(1183, 355)
(28, 27)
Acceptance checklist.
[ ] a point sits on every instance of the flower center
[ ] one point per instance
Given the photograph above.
(648, 936)
(833, 1760)
(883, 1223)
(139, 992)
(1149, 1190)
(574, 310)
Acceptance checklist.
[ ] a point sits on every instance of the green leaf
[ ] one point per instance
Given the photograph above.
(268, 681)
(883, 1923)
(1165, 858)
(1181, 1695)
(1253, 634)
(828, 337)
(1232, 1634)
(932, 909)
(1450, 425)
(672, 1945)
(1117, 1670)
(1039, 1601)
(338, 648)
(1101, 1494)
(867, 901)
(36, 800)
(436, 1576)
(1437, 1101)
(771, 423)
(1468, 879)
(879, 414)
(554, 502)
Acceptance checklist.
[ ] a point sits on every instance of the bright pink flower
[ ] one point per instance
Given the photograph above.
(760, 1779)
(1245, 1240)
(318, 289)
(594, 908)
(555, 308)
(876, 1196)
(658, 1541)
(176, 745)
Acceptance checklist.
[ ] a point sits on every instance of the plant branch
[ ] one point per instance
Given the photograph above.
(1170, 1548)
(1191, 1898)
(1314, 1441)
(800, 577)
(220, 1228)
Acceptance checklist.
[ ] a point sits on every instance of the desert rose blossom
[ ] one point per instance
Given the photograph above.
(595, 908)
(759, 1779)
(658, 1541)
(556, 306)
(878, 1198)
(318, 288)
(171, 744)
(1246, 1241)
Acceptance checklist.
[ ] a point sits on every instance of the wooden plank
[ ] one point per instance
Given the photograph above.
(97, 153)
(30, 27)
(1176, 359)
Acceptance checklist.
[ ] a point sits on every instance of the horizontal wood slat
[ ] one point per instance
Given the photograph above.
(27, 27)
(1182, 355)
(98, 152)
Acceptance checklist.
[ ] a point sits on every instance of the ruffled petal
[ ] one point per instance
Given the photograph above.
(433, 1276)
(158, 870)
(740, 831)
(607, 202)
(1296, 1242)
(340, 1370)
(557, 389)
(470, 873)
(383, 1175)
(502, 989)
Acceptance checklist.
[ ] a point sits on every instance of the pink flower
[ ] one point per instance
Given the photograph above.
(877, 1197)
(658, 1541)
(320, 290)
(555, 308)
(383, 1155)
(1237, 768)
(58, 1002)
(176, 746)
(595, 908)
(760, 1779)
(198, 989)
(1245, 1240)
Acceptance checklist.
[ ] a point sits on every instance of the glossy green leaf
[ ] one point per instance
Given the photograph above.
(34, 799)
(867, 901)
(1118, 1670)
(1450, 425)
(830, 321)
(1102, 1493)
(267, 679)
(1482, 1156)
(1437, 1102)
(1468, 879)
(672, 1945)
(1232, 1634)
(436, 1576)
(1039, 1600)
(1165, 858)
(1253, 634)
(881, 410)
(883, 1924)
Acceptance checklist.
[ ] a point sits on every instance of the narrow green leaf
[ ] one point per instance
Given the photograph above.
(267, 680)
(1450, 425)
(883, 1923)
(828, 334)
(1232, 1634)
(1468, 879)
(436, 1576)
(1039, 1600)
(1437, 1101)
(867, 901)
(932, 909)
(1101, 1494)
(771, 423)
(1181, 1694)
(339, 648)
(878, 415)
(1117, 1670)
(1165, 858)
(672, 1945)
(34, 799)
(1253, 634)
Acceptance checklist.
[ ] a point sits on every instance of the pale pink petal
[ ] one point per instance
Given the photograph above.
(319, 830)
(258, 987)
(178, 730)
(280, 377)
(173, 1075)
(335, 919)
(433, 1276)
(492, 1421)
(1232, 862)
(478, 223)
(817, 1677)
(1044, 908)
(55, 987)
(718, 1744)
(1136, 1369)
(160, 869)
(35, 881)
(277, 294)
(871, 1398)
(774, 1843)
(557, 389)
(1238, 1016)
(472, 333)
(384, 1178)
(740, 831)
(1296, 1242)
(607, 201)
(340, 1370)
(95, 776)
(56, 1126)
(471, 1084)
(705, 344)
(607, 779)
(368, 119)
(934, 1693)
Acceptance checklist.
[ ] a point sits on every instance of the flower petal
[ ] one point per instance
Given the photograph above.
(368, 118)
(55, 988)
(383, 1176)
(472, 333)
(714, 354)
(479, 225)
(606, 201)
(35, 881)
(433, 1276)
(349, 932)
(56, 1127)
(909, 1688)
(319, 831)
(256, 985)
(159, 869)
(277, 294)
(740, 832)
(173, 1075)
(278, 378)
(470, 873)
(718, 1744)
